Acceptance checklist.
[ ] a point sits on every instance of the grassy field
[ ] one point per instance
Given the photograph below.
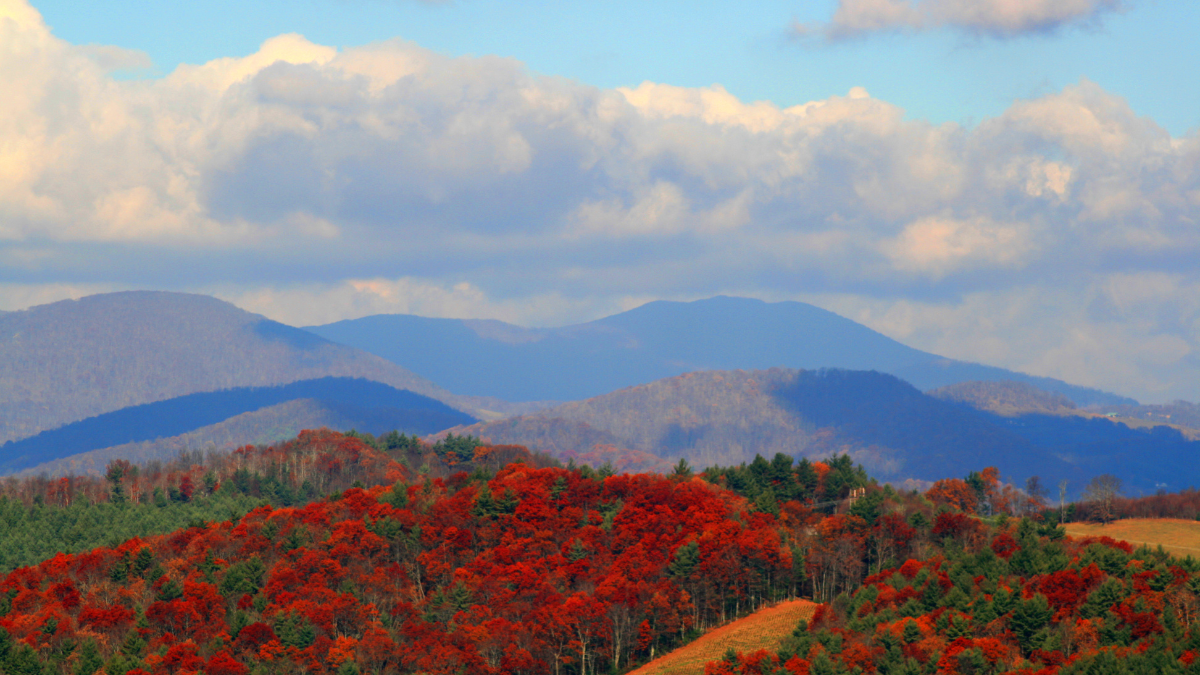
(1180, 537)
(765, 629)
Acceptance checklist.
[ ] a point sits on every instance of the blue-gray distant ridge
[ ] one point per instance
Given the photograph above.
(404, 410)
(657, 340)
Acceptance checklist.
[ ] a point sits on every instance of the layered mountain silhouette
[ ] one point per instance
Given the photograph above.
(260, 414)
(70, 360)
(657, 340)
(893, 429)
(258, 427)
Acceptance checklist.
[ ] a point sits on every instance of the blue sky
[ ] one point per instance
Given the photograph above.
(1013, 182)
(1147, 54)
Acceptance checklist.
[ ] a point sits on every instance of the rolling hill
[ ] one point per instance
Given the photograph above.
(727, 417)
(1181, 413)
(265, 426)
(1006, 398)
(70, 360)
(348, 579)
(657, 340)
(231, 417)
(882, 422)
(765, 629)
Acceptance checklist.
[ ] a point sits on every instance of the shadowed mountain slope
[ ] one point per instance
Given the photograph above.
(70, 360)
(259, 427)
(341, 401)
(657, 340)
(726, 417)
(894, 430)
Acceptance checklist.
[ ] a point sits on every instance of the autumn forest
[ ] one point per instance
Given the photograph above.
(348, 553)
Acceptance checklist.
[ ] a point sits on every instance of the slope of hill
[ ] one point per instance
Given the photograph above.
(70, 360)
(516, 568)
(726, 417)
(228, 419)
(1013, 598)
(76, 513)
(1178, 537)
(1005, 398)
(530, 570)
(892, 429)
(656, 340)
(764, 629)
(1180, 413)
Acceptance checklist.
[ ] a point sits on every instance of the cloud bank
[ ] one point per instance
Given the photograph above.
(314, 184)
(992, 18)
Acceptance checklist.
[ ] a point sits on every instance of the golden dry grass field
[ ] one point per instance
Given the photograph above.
(764, 629)
(1180, 537)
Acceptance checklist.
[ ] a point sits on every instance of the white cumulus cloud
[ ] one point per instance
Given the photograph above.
(333, 182)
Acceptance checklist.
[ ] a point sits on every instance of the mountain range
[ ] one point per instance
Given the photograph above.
(657, 340)
(348, 402)
(890, 427)
(146, 375)
(70, 360)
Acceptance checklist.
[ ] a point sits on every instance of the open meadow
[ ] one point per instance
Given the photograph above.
(765, 629)
(1180, 537)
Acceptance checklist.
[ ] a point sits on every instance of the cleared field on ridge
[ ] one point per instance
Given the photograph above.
(1179, 537)
(764, 629)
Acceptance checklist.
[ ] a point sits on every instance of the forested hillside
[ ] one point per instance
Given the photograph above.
(357, 403)
(1005, 398)
(723, 417)
(1011, 598)
(1183, 413)
(41, 516)
(336, 553)
(882, 422)
(709, 417)
(260, 427)
(524, 570)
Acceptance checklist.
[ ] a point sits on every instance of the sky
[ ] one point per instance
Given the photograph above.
(1012, 182)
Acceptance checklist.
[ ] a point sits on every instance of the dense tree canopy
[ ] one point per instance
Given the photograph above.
(526, 570)
(353, 554)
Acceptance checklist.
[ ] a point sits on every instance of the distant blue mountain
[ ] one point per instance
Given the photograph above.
(70, 360)
(376, 405)
(657, 340)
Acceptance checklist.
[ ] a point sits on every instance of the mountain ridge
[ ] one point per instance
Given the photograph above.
(656, 340)
(882, 422)
(74, 359)
(138, 426)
